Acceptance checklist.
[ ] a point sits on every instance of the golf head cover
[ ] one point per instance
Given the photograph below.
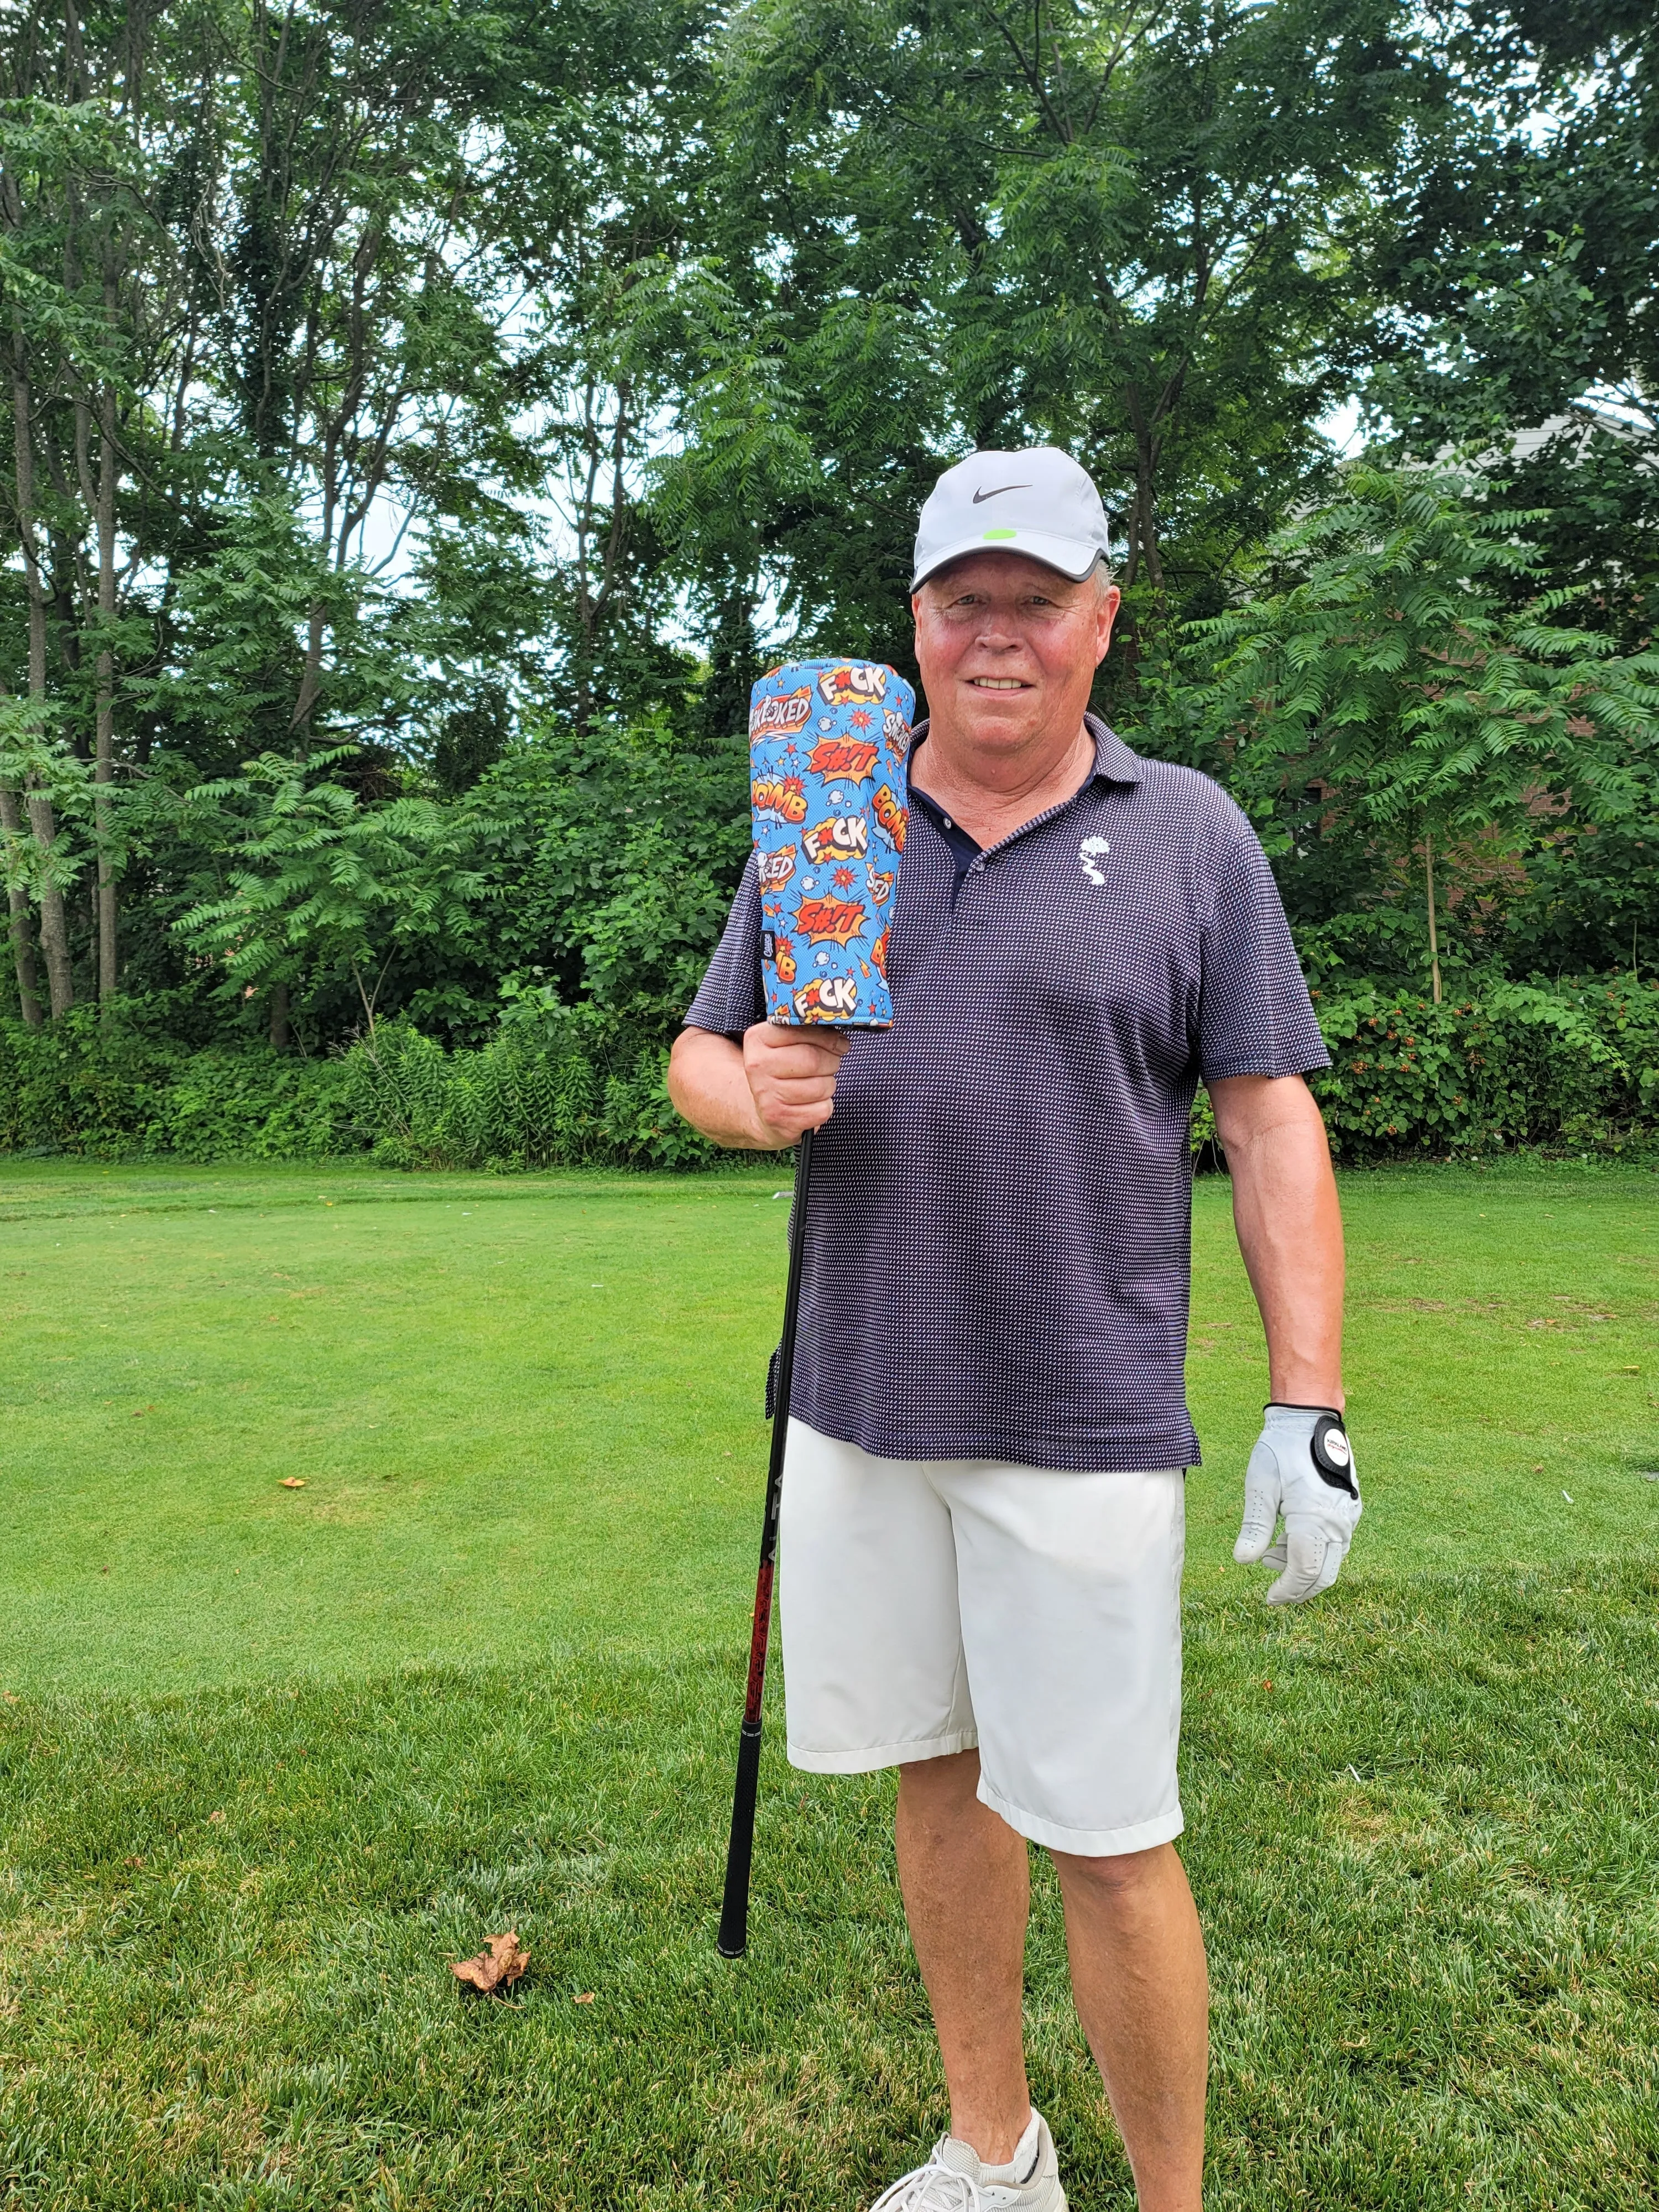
(1303, 1469)
(828, 741)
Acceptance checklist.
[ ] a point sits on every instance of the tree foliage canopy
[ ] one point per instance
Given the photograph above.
(425, 421)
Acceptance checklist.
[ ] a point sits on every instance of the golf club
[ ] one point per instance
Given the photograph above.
(828, 746)
(734, 1905)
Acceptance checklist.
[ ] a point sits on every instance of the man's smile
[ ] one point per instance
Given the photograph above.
(1000, 684)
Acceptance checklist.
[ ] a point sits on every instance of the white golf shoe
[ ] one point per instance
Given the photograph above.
(957, 2179)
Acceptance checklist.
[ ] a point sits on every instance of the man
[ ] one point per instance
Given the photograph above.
(983, 1525)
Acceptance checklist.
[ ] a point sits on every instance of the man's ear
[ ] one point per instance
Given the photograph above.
(1111, 600)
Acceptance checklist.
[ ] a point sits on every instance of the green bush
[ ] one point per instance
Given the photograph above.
(114, 1090)
(573, 1086)
(558, 1085)
(255, 1104)
(1571, 1063)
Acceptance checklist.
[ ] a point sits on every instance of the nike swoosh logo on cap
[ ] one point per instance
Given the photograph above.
(998, 493)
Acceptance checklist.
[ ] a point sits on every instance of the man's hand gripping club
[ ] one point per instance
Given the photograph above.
(1301, 1468)
(791, 1077)
(763, 1096)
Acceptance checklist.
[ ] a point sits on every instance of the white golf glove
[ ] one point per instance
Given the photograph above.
(1301, 1468)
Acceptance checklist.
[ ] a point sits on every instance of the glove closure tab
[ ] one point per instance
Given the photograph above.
(1333, 1455)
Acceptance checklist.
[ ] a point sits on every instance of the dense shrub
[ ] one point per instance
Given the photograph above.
(1575, 1062)
(114, 1090)
(557, 1086)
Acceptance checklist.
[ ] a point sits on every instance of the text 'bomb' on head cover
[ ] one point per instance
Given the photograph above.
(828, 741)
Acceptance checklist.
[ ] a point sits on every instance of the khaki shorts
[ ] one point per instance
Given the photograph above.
(929, 1606)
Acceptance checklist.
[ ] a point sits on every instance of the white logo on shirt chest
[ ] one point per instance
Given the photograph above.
(1090, 852)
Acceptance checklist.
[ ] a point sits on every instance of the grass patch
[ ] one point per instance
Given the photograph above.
(525, 1415)
(1501, 1352)
(1426, 1858)
(269, 1758)
(528, 1412)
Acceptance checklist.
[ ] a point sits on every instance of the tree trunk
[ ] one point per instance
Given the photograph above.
(310, 683)
(104, 772)
(1143, 512)
(54, 921)
(1434, 938)
(54, 917)
(17, 899)
(1146, 531)
(279, 1031)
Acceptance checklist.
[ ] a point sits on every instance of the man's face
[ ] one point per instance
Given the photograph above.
(1008, 648)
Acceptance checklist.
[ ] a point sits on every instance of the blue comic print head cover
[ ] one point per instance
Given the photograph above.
(828, 741)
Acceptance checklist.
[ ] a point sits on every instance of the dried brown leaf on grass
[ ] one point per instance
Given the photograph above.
(496, 1968)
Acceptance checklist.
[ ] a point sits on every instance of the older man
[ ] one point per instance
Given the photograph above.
(982, 1522)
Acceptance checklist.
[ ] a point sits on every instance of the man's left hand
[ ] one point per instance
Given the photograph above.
(1301, 1468)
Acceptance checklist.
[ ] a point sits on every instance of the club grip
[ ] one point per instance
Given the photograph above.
(733, 1937)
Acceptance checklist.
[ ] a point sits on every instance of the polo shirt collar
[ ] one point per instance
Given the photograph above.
(1114, 761)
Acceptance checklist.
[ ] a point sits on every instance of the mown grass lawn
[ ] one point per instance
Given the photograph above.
(269, 1758)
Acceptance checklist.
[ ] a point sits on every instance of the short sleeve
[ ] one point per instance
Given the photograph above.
(1255, 1016)
(730, 997)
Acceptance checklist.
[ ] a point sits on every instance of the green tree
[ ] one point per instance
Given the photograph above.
(1519, 271)
(317, 884)
(615, 853)
(459, 404)
(46, 150)
(1390, 674)
(1122, 226)
(604, 179)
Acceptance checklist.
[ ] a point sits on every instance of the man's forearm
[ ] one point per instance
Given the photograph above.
(708, 1085)
(1289, 1230)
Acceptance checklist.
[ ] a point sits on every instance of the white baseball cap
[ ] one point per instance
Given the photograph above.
(1039, 502)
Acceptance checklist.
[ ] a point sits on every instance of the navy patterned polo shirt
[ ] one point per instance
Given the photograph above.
(998, 1258)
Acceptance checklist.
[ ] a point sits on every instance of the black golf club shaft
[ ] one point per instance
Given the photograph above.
(734, 1906)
